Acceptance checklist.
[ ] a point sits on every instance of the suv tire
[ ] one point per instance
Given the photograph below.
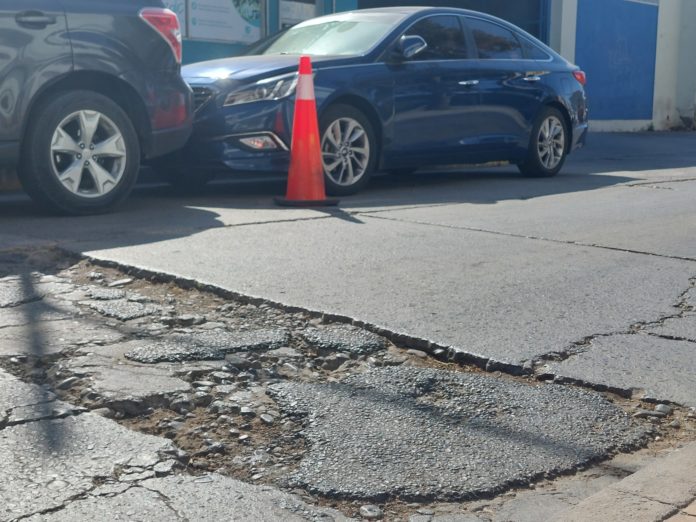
(81, 154)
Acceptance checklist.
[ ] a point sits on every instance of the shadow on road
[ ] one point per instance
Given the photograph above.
(155, 214)
(23, 299)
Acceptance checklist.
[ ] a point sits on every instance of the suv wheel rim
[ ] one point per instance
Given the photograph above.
(88, 154)
(551, 142)
(345, 151)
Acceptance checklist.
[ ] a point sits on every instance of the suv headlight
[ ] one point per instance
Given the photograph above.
(268, 89)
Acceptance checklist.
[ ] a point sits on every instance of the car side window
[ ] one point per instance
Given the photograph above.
(444, 36)
(532, 52)
(494, 42)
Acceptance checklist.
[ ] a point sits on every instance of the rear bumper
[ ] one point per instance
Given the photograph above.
(166, 141)
(579, 136)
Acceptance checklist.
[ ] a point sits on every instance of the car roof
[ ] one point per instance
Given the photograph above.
(410, 10)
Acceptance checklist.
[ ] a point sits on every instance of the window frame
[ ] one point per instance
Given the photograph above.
(470, 51)
(524, 40)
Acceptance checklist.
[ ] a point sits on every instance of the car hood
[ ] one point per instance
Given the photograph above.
(243, 68)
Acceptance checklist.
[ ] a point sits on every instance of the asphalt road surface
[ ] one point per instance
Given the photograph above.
(585, 276)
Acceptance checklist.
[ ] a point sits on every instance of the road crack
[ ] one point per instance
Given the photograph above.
(536, 238)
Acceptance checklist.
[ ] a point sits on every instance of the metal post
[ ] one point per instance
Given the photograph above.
(264, 18)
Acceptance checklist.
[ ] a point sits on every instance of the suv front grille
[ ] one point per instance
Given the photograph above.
(201, 96)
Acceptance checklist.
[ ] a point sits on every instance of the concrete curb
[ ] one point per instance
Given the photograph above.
(653, 494)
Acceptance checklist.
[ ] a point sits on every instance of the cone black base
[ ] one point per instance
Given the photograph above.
(327, 202)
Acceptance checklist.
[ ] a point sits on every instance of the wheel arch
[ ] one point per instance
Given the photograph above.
(114, 88)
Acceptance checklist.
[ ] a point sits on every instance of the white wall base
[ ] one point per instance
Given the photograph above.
(620, 125)
(665, 115)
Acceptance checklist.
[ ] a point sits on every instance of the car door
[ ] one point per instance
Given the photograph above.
(434, 93)
(511, 89)
(34, 49)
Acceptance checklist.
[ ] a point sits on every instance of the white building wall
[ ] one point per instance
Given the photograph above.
(686, 87)
(665, 115)
(564, 19)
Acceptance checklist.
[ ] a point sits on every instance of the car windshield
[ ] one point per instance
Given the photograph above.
(346, 35)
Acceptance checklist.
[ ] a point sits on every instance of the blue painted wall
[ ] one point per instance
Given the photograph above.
(616, 46)
(198, 51)
(346, 5)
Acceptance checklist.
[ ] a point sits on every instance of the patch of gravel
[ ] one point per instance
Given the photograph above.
(15, 291)
(105, 294)
(122, 309)
(420, 434)
(344, 338)
(208, 345)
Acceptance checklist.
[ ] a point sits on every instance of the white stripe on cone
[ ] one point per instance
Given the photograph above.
(305, 87)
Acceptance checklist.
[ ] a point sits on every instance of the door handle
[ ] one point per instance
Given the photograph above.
(35, 19)
(532, 78)
(469, 83)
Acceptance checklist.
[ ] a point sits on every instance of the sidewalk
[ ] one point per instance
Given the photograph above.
(665, 490)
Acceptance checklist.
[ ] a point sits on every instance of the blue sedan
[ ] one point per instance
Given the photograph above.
(397, 89)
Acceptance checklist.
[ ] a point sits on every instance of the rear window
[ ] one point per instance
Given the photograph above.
(534, 52)
(494, 42)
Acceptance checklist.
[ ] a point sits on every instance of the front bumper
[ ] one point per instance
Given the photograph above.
(216, 143)
(227, 153)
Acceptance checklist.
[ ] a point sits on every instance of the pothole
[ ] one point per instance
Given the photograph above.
(289, 399)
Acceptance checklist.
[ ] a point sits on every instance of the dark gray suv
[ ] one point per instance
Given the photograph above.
(88, 89)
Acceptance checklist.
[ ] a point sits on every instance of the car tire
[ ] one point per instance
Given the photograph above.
(349, 149)
(81, 154)
(548, 145)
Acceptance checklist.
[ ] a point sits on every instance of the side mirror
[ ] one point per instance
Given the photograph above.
(410, 46)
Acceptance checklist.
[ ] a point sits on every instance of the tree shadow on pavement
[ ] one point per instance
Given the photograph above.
(30, 319)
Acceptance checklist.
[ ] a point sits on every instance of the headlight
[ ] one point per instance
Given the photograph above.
(271, 89)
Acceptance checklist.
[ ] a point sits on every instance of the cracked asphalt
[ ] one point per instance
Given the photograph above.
(502, 269)
(588, 278)
(154, 416)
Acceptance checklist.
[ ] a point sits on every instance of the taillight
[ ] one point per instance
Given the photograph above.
(580, 77)
(167, 25)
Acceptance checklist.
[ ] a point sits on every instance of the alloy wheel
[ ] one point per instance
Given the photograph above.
(88, 154)
(345, 151)
(551, 142)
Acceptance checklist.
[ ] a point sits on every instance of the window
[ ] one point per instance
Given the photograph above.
(343, 34)
(444, 37)
(494, 42)
(534, 52)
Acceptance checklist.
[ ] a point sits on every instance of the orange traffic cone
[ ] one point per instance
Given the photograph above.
(306, 175)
